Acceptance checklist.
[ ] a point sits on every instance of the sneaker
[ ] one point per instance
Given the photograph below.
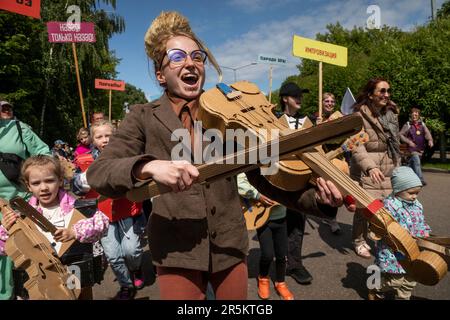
(283, 291)
(138, 280)
(263, 287)
(363, 250)
(125, 293)
(334, 226)
(301, 275)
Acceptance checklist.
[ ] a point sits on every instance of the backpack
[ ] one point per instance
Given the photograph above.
(83, 161)
(11, 163)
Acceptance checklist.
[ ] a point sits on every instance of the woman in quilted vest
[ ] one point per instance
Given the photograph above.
(372, 163)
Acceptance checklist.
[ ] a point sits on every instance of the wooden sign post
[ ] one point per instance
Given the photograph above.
(271, 60)
(322, 52)
(110, 85)
(62, 32)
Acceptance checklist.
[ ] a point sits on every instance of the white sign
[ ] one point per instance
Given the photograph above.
(270, 59)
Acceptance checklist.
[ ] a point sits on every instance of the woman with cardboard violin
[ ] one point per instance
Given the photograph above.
(197, 232)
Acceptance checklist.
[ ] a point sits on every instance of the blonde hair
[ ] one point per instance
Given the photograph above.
(82, 133)
(41, 160)
(328, 94)
(99, 124)
(168, 25)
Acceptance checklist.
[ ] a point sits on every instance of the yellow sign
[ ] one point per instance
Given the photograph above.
(320, 51)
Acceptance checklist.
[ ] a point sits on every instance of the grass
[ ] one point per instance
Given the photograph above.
(437, 165)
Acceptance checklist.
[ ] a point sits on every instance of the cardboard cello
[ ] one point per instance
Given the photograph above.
(30, 250)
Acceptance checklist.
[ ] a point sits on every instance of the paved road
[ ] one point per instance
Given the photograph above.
(339, 274)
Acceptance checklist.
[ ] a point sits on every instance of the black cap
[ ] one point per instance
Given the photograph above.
(292, 90)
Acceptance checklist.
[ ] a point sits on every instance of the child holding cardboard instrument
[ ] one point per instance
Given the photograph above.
(43, 177)
(408, 211)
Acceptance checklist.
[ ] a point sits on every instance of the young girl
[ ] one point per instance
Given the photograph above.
(408, 211)
(84, 140)
(272, 237)
(123, 244)
(43, 177)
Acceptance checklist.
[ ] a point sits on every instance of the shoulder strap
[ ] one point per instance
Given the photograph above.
(19, 130)
(380, 133)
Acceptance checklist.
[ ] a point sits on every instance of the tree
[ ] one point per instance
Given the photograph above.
(417, 65)
(38, 77)
(444, 12)
(131, 95)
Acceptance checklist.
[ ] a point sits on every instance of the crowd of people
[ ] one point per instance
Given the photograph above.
(197, 235)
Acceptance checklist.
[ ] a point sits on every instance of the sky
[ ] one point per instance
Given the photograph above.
(237, 31)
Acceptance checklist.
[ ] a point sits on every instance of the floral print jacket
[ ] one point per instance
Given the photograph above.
(409, 214)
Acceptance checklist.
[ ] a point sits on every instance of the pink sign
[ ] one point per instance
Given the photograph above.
(70, 32)
(109, 84)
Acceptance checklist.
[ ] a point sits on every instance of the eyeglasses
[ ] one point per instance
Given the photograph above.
(178, 56)
(384, 90)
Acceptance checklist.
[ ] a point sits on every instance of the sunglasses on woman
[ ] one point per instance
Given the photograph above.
(177, 57)
(384, 90)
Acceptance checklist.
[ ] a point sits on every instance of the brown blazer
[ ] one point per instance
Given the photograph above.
(202, 228)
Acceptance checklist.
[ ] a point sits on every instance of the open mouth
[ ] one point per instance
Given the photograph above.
(190, 79)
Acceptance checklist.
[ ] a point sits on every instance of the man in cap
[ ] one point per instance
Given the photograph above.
(58, 149)
(6, 110)
(291, 96)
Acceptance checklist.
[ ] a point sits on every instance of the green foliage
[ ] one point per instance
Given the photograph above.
(416, 63)
(39, 77)
(444, 11)
(131, 95)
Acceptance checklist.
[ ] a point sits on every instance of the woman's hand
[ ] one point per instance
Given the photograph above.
(8, 219)
(64, 235)
(330, 195)
(177, 175)
(376, 175)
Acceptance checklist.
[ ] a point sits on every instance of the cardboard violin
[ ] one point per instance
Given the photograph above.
(30, 250)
